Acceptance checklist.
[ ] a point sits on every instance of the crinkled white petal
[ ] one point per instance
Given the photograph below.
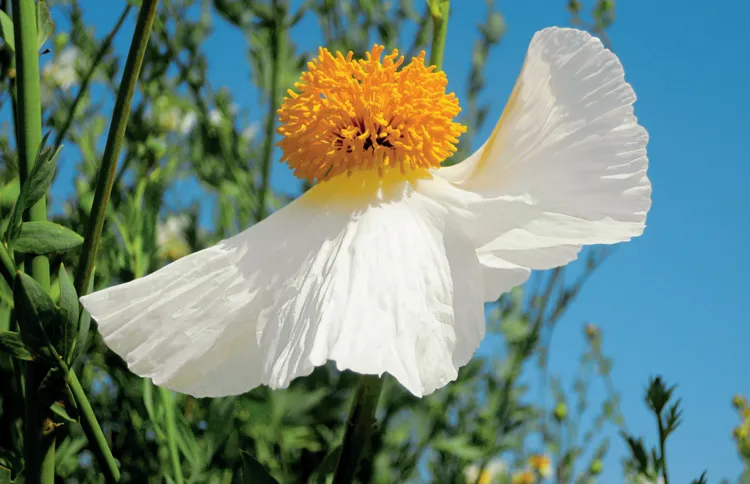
(383, 285)
(566, 164)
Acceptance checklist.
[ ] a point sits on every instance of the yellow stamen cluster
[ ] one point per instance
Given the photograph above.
(355, 115)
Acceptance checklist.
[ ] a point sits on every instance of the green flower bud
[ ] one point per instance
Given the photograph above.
(561, 412)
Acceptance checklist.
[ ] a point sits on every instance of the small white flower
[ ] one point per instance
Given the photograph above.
(63, 71)
(188, 122)
(250, 132)
(215, 117)
(170, 236)
(173, 228)
(385, 264)
(493, 469)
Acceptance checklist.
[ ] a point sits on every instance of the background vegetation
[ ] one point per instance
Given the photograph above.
(71, 408)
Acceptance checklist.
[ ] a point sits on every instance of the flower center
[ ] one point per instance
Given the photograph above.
(366, 115)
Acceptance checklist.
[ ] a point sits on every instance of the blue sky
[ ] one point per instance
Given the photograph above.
(669, 302)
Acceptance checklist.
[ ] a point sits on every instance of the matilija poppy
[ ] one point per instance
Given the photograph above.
(384, 265)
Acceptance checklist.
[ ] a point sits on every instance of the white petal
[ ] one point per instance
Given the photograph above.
(566, 164)
(388, 285)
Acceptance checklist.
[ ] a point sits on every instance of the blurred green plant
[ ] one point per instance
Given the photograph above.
(651, 466)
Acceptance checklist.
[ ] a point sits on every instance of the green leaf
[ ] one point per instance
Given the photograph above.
(35, 186)
(514, 329)
(45, 238)
(59, 409)
(253, 471)
(44, 24)
(9, 191)
(70, 309)
(42, 175)
(37, 317)
(327, 466)
(6, 25)
(12, 345)
(459, 446)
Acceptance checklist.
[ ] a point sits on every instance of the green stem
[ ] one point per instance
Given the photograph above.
(39, 443)
(93, 431)
(440, 10)
(87, 78)
(115, 138)
(98, 212)
(167, 399)
(278, 46)
(662, 450)
(359, 427)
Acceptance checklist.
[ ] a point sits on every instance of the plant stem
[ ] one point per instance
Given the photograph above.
(359, 427)
(93, 234)
(115, 138)
(87, 78)
(278, 47)
(440, 10)
(93, 431)
(39, 445)
(167, 399)
(662, 450)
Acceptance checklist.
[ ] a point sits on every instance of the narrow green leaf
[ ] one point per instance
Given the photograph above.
(37, 317)
(6, 25)
(70, 309)
(253, 471)
(12, 345)
(44, 24)
(327, 466)
(45, 238)
(459, 446)
(40, 179)
(34, 188)
(4, 471)
(59, 409)
(6, 293)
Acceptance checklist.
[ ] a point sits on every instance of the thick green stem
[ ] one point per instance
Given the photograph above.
(167, 400)
(39, 444)
(278, 48)
(359, 428)
(106, 176)
(440, 9)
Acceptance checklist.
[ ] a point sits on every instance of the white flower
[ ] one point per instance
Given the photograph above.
(494, 468)
(188, 122)
(385, 265)
(215, 117)
(63, 71)
(173, 228)
(170, 236)
(250, 132)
